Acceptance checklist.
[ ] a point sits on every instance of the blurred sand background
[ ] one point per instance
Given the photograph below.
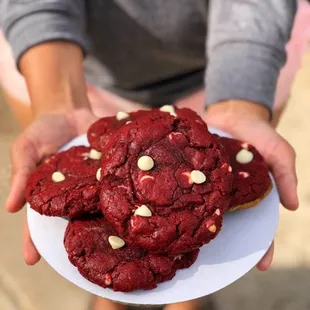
(284, 287)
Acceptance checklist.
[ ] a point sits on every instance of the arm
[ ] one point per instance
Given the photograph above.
(48, 42)
(246, 52)
(246, 49)
(55, 78)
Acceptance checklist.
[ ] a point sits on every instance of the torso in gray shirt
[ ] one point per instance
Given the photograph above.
(148, 53)
(156, 51)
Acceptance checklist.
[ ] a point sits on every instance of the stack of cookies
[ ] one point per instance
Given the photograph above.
(151, 190)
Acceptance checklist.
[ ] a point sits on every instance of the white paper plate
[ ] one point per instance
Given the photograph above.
(244, 239)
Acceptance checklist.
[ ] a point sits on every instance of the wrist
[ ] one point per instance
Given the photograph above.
(226, 114)
(78, 120)
(62, 109)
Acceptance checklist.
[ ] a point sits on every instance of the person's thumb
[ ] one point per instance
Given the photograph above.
(281, 158)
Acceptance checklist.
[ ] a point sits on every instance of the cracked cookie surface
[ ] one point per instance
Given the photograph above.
(125, 269)
(251, 182)
(185, 186)
(99, 132)
(65, 184)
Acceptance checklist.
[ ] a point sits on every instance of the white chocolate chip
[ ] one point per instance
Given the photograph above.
(98, 174)
(217, 212)
(212, 228)
(107, 279)
(57, 176)
(197, 177)
(178, 257)
(169, 109)
(172, 135)
(145, 177)
(122, 186)
(145, 163)
(244, 174)
(244, 156)
(85, 156)
(93, 154)
(128, 122)
(143, 211)
(188, 177)
(226, 166)
(116, 242)
(121, 115)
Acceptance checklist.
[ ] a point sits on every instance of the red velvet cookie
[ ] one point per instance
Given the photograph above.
(165, 182)
(99, 132)
(251, 182)
(102, 258)
(65, 184)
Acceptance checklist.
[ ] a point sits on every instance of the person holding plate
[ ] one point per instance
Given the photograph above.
(87, 59)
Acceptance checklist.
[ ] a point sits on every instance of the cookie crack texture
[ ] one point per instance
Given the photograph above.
(126, 269)
(179, 207)
(252, 189)
(74, 196)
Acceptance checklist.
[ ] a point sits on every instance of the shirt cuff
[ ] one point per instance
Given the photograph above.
(243, 71)
(34, 29)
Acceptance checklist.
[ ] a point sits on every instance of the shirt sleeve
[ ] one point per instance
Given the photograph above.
(27, 23)
(246, 48)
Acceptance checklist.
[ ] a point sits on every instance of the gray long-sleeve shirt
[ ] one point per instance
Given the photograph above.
(156, 51)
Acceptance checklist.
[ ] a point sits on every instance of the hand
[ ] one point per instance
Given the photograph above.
(249, 122)
(43, 137)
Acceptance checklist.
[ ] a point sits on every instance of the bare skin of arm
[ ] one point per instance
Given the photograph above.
(55, 78)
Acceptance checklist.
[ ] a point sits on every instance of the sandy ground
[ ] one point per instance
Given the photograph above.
(284, 287)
